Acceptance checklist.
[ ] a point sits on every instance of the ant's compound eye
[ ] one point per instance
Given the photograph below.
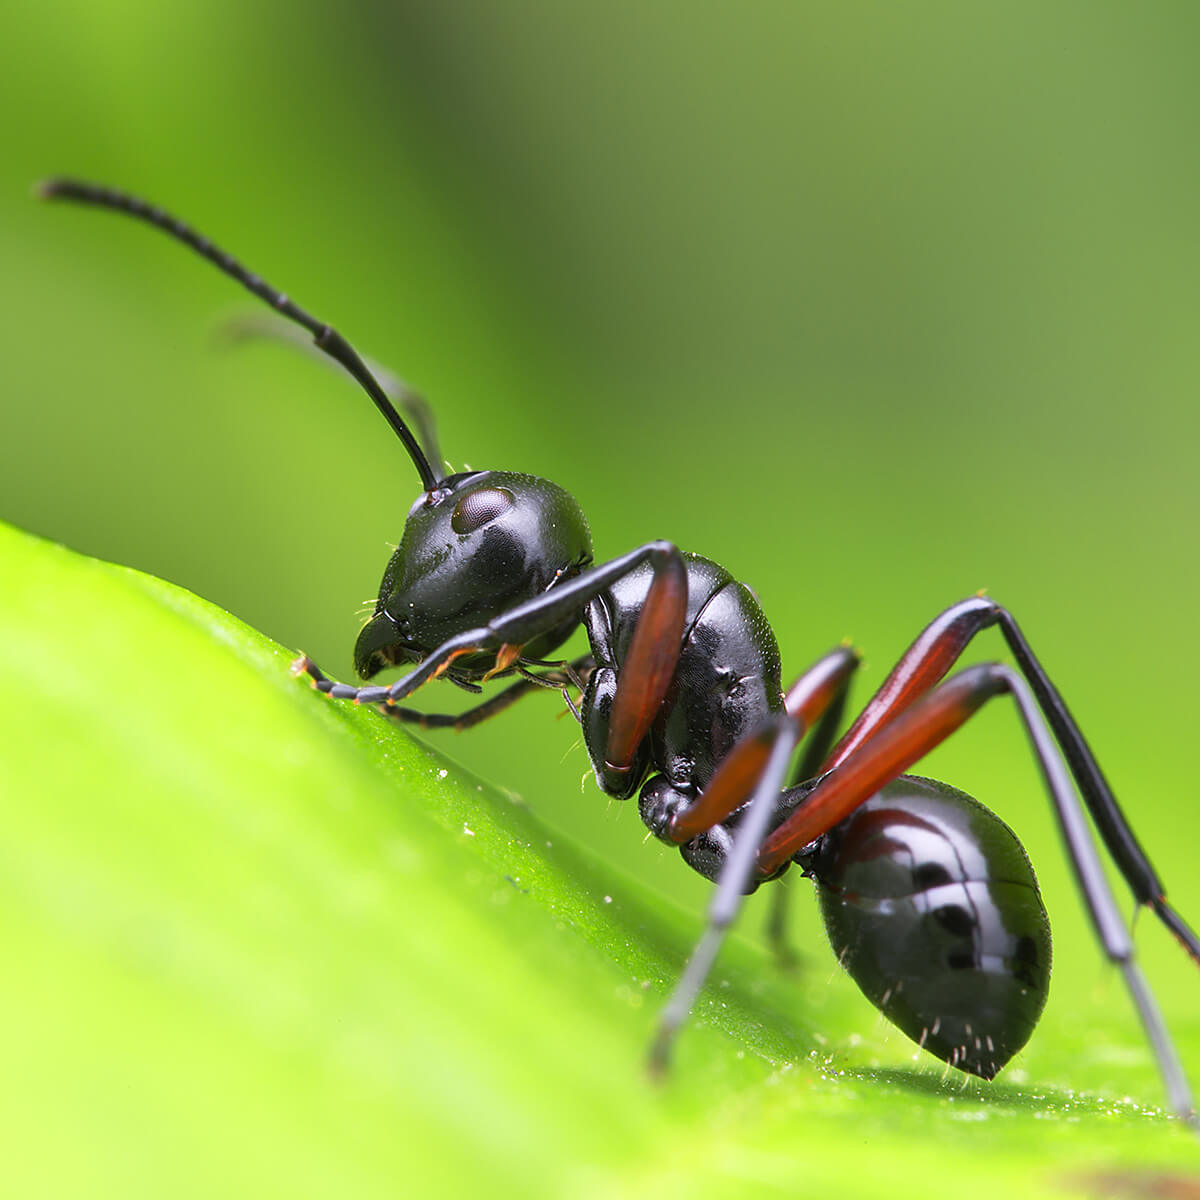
(477, 508)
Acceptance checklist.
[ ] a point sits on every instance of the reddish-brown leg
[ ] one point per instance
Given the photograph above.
(913, 733)
(754, 771)
(936, 649)
(649, 665)
(815, 750)
(901, 742)
(727, 899)
(933, 653)
(907, 737)
(508, 631)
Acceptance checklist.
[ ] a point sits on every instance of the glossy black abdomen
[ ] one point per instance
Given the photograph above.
(932, 907)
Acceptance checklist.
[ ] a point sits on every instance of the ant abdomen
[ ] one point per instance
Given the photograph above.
(932, 906)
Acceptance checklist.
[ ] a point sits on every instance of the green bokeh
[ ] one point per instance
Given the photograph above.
(875, 304)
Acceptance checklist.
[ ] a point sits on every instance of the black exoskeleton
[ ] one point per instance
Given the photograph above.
(930, 901)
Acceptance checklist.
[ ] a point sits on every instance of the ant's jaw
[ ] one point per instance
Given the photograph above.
(380, 645)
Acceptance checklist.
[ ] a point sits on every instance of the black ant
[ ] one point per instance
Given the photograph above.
(929, 899)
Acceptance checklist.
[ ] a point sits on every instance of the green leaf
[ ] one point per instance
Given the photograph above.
(258, 942)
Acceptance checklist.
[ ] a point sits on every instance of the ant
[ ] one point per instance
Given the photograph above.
(929, 899)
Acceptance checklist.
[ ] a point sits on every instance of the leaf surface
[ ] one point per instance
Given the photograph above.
(262, 943)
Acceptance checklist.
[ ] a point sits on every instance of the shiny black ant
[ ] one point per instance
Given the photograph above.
(929, 899)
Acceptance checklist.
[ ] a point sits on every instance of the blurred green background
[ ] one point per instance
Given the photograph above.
(877, 305)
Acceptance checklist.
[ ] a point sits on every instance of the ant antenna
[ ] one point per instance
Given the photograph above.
(326, 337)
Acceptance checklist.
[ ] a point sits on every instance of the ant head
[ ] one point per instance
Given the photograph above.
(478, 544)
(474, 544)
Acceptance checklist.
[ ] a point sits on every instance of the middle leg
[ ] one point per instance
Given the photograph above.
(816, 748)
(892, 749)
(756, 768)
(936, 649)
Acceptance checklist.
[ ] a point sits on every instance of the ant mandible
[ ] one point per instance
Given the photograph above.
(928, 897)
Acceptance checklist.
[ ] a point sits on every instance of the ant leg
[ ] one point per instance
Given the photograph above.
(748, 772)
(415, 407)
(561, 673)
(913, 733)
(816, 750)
(464, 720)
(646, 673)
(472, 716)
(653, 651)
(776, 928)
(736, 873)
(936, 649)
(925, 662)
(811, 699)
(564, 677)
(1114, 828)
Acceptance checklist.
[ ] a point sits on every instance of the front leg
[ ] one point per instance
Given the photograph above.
(654, 651)
(568, 676)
